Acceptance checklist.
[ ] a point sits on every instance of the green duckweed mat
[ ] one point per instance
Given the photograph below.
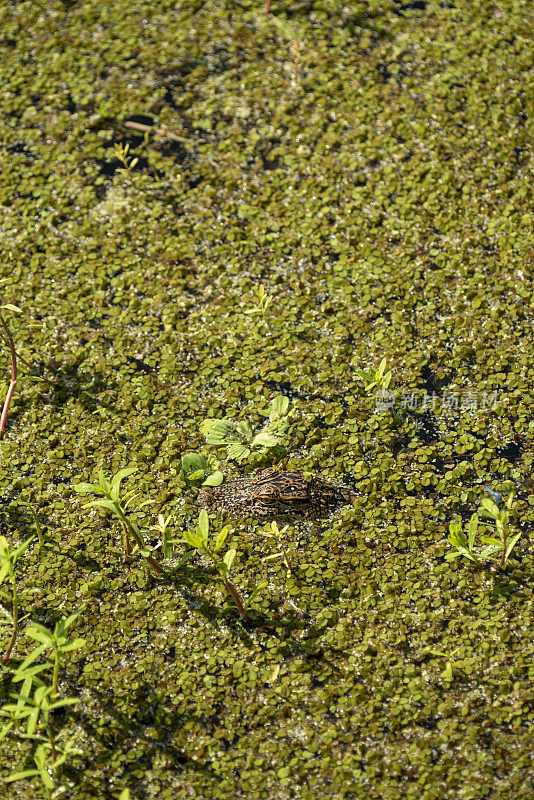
(370, 165)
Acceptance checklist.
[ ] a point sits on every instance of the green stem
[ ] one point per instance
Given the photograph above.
(13, 639)
(53, 752)
(503, 556)
(55, 675)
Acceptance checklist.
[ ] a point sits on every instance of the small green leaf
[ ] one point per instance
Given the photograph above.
(86, 488)
(228, 559)
(74, 645)
(257, 591)
(68, 701)
(491, 540)
(221, 538)
(510, 544)
(5, 730)
(367, 376)
(472, 530)
(214, 480)
(186, 556)
(103, 482)
(196, 476)
(490, 551)
(65, 622)
(490, 508)
(33, 719)
(371, 386)
(204, 527)
(216, 431)
(238, 451)
(109, 504)
(265, 440)
(11, 307)
(280, 404)
(40, 633)
(191, 539)
(118, 478)
(193, 462)
(244, 429)
(18, 776)
(456, 536)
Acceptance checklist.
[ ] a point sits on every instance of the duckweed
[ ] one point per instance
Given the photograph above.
(381, 194)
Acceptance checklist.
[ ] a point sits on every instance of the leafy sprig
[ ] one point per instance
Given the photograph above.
(121, 506)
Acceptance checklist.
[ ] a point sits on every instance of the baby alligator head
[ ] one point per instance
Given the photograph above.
(272, 492)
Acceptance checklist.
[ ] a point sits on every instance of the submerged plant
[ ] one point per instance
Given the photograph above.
(121, 506)
(239, 438)
(466, 543)
(200, 542)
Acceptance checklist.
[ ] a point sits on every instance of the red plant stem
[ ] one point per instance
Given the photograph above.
(152, 561)
(154, 564)
(267, 6)
(11, 389)
(235, 597)
(127, 538)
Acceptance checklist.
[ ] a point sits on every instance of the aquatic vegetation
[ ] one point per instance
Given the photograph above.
(38, 526)
(384, 201)
(275, 533)
(128, 162)
(264, 300)
(199, 471)
(12, 595)
(167, 537)
(121, 506)
(13, 358)
(30, 716)
(200, 541)
(239, 438)
(448, 672)
(501, 542)
(375, 378)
